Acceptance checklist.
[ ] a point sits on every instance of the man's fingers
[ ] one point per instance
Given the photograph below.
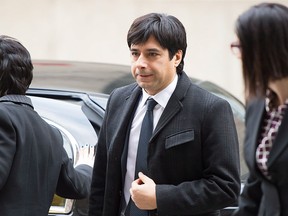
(144, 179)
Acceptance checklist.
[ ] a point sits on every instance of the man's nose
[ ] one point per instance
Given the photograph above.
(141, 62)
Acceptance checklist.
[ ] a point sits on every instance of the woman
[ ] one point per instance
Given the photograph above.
(262, 45)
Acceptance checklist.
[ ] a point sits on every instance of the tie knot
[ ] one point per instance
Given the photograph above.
(151, 103)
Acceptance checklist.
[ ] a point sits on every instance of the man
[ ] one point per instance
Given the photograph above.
(33, 162)
(192, 162)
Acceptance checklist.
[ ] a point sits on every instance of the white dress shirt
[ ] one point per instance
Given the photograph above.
(162, 99)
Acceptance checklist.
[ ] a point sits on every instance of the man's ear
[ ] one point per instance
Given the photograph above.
(178, 57)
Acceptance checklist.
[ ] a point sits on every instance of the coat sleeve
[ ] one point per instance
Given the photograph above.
(96, 199)
(73, 183)
(219, 184)
(7, 147)
(250, 198)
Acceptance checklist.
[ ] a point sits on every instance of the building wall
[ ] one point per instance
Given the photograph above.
(95, 31)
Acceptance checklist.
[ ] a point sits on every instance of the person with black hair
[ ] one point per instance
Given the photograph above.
(33, 162)
(189, 163)
(262, 46)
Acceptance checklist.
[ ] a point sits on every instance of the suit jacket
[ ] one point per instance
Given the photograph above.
(260, 196)
(192, 157)
(33, 162)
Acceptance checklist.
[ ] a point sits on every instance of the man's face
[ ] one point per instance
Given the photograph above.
(151, 66)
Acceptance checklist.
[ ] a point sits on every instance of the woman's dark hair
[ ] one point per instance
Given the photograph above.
(263, 35)
(15, 67)
(167, 30)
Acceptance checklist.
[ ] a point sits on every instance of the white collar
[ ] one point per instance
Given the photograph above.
(163, 96)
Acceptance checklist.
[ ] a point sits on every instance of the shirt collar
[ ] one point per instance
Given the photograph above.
(163, 96)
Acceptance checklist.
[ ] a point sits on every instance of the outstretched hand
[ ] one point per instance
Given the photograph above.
(143, 192)
(86, 155)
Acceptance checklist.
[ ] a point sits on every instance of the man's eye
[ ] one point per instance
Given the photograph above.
(134, 53)
(152, 54)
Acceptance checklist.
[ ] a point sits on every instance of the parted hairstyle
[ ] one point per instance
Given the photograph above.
(263, 35)
(15, 67)
(166, 29)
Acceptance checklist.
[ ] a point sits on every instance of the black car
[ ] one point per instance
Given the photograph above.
(72, 96)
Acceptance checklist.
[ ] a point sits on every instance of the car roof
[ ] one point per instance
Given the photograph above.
(79, 76)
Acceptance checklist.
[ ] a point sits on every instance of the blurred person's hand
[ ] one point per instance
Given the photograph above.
(86, 155)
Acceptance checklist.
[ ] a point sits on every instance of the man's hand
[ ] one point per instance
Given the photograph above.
(143, 192)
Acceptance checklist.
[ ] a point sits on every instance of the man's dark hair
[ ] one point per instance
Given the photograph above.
(166, 29)
(15, 67)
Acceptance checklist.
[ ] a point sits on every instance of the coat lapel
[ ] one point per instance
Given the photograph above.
(130, 102)
(252, 130)
(174, 104)
(280, 142)
(120, 142)
(119, 135)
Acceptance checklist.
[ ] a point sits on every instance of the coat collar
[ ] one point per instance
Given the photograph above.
(17, 99)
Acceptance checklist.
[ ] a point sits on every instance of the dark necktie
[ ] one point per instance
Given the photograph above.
(141, 160)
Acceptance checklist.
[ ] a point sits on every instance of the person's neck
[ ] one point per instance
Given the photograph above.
(280, 88)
